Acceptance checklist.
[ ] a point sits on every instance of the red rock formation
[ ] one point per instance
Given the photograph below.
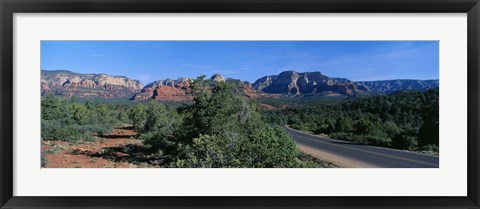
(147, 93)
(74, 85)
(248, 90)
(88, 84)
(184, 85)
(45, 88)
(171, 94)
(150, 91)
(142, 96)
(67, 83)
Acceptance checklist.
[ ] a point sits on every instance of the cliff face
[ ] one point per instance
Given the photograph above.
(248, 90)
(291, 82)
(294, 83)
(168, 90)
(67, 83)
(179, 90)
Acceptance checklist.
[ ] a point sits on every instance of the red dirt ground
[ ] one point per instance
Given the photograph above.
(108, 151)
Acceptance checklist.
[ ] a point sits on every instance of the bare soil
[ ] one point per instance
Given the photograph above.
(120, 149)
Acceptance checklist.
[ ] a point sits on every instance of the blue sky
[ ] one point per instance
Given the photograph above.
(246, 60)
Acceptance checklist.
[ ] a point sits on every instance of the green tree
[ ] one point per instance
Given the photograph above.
(53, 107)
(223, 129)
(406, 120)
(80, 113)
(138, 115)
(269, 147)
(160, 125)
(70, 120)
(344, 124)
(158, 117)
(103, 119)
(404, 141)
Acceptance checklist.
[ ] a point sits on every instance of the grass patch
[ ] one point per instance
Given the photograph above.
(56, 148)
(308, 161)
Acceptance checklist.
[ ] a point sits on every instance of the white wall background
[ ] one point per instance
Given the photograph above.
(448, 180)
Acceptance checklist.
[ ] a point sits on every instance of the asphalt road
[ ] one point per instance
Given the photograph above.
(357, 155)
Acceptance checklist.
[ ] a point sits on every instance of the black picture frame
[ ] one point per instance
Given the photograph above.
(9, 7)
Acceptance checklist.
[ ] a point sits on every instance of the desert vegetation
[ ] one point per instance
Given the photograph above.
(403, 120)
(265, 104)
(70, 120)
(221, 128)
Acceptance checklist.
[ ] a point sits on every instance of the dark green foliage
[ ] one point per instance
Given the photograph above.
(55, 130)
(159, 125)
(223, 109)
(138, 116)
(123, 117)
(53, 108)
(209, 152)
(69, 120)
(344, 125)
(267, 147)
(220, 129)
(159, 118)
(404, 120)
(363, 139)
(429, 131)
(404, 141)
(430, 148)
(43, 161)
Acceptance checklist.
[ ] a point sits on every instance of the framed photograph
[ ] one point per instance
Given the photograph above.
(239, 104)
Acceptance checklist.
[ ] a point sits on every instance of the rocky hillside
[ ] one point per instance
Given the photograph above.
(390, 86)
(179, 90)
(67, 83)
(291, 82)
(294, 83)
(171, 90)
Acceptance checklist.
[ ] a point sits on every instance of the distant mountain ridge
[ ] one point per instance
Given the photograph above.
(292, 82)
(67, 83)
(168, 89)
(390, 86)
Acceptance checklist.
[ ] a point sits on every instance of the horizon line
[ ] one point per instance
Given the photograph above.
(242, 80)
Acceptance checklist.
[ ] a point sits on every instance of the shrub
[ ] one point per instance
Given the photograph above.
(208, 152)
(73, 121)
(431, 148)
(138, 115)
(159, 142)
(269, 147)
(373, 119)
(43, 160)
(363, 139)
(404, 141)
(266, 147)
(223, 129)
(54, 130)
